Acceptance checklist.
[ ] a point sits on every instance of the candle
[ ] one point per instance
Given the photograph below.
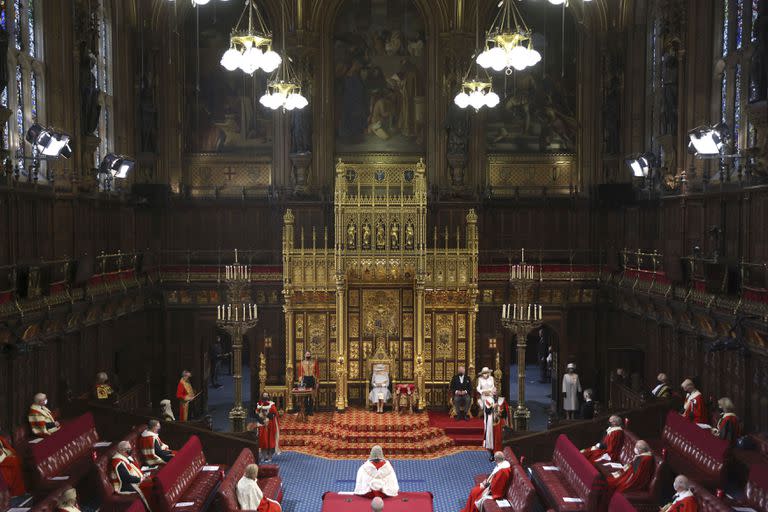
(529, 311)
(541, 313)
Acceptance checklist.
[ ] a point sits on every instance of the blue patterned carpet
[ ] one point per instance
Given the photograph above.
(449, 479)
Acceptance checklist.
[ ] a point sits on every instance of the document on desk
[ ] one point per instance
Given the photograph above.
(503, 503)
(102, 444)
(550, 468)
(36, 440)
(705, 426)
(604, 457)
(210, 468)
(59, 478)
(573, 500)
(614, 465)
(738, 509)
(185, 504)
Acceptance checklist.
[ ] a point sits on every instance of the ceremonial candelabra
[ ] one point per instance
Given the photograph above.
(236, 317)
(520, 318)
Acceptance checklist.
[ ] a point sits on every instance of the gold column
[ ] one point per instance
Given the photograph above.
(289, 356)
(420, 338)
(521, 413)
(471, 340)
(341, 343)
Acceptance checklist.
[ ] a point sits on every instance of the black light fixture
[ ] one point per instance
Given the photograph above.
(49, 143)
(641, 164)
(116, 166)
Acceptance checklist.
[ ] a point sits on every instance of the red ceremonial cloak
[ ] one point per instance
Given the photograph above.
(728, 427)
(10, 468)
(498, 427)
(610, 444)
(499, 483)
(694, 408)
(268, 435)
(687, 504)
(636, 477)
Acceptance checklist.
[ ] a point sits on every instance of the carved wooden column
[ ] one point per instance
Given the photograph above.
(420, 336)
(341, 341)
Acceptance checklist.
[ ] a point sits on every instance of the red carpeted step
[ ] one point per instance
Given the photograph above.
(467, 439)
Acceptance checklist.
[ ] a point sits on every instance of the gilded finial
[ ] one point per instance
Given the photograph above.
(471, 216)
(288, 217)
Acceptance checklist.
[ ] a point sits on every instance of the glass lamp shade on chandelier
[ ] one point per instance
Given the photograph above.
(509, 42)
(250, 49)
(477, 94)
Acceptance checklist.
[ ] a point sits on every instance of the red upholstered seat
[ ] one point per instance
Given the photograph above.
(575, 477)
(521, 494)
(619, 503)
(756, 492)
(661, 482)
(67, 452)
(269, 482)
(5, 494)
(182, 480)
(110, 500)
(50, 502)
(707, 501)
(694, 451)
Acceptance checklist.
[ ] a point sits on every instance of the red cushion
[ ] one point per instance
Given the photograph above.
(757, 487)
(619, 503)
(269, 482)
(694, 451)
(181, 479)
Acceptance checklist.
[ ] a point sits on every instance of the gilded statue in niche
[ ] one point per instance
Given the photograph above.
(366, 231)
(407, 325)
(333, 326)
(381, 238)
(409, 235)
(351, 236)
(427, 326)
(300, 327)
(394, 235)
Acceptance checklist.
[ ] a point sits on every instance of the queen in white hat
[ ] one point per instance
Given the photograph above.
(571, 391)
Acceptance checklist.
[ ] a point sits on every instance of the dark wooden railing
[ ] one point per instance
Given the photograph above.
(622, 397)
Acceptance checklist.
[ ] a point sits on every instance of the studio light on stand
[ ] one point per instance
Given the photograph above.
(713, 143)
(250, 49)
(47, 144)
(642, 166)
(509, 41)
(114, 167)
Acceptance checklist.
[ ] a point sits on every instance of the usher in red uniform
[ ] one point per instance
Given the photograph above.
(498, 427)
(610, 444)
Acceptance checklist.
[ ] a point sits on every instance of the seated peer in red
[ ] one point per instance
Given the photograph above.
(610, 444)
(637, 475)
(494, 487)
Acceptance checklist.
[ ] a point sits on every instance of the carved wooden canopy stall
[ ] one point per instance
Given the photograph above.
(380, 279)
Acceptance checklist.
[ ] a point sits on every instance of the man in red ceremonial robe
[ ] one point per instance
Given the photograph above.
(10, 468)
(637, 475)
(153, 450)
(309, 377)
(124, 473)
(41, 419)
(610, 444)
(684, 500)
(693, 409)
(500, 419)
(269, 428)
(494, 487)
(728, 427)
(185, 393)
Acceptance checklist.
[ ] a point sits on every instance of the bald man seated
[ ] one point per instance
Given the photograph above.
(377, 504)
(683, 500)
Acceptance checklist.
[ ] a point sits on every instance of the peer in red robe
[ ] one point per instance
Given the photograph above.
(611, 443)
(185, 393)
(494, 487)
(500, 419)
(728, 427)
(694, 409)
(10, 468)
(269, 428)
(683, 501)
(636, 476)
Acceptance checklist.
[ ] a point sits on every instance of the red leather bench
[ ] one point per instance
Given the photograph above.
(694, 451)
(575, 477)
(756, 491)
(707, 501)
(5, 494)
(110, 500)
(51, 502)
(269, 482)
(182, 479)
(521, 494)
(620, 503)
(661, 482)
(68, 452)
(509, 455)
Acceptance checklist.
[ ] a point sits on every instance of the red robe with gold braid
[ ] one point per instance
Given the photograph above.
(610, 444)
(498, 426)
(310, 368)
(147, 441)
(184, 393)
(637, 474)
(496, 488)
(694, 410)
(10, 468)
(40, 420)
(684, 502)
(114, 475)
(728, 427)
(269, 436)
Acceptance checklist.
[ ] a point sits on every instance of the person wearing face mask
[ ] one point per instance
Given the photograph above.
(461, 387)
(309, 377)
(571, 391)
(693, 409)
(728, 427)
(41, 419)
(637, 475)
(124, 473)
(269, 428)
(153, 450)
(662, 389)
(683, 500)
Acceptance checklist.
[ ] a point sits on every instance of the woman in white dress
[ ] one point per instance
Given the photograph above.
(486, 387)
(571, 391)
(380, 393)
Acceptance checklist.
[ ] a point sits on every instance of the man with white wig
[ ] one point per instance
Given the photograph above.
(250, 495)
(376, 477)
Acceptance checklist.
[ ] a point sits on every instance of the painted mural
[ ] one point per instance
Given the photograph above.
(379, 77)
(225, 116)
(537, 112)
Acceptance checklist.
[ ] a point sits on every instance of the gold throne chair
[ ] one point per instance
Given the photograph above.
(379, 360)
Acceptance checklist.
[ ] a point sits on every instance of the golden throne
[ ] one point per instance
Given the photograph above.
(382, 357)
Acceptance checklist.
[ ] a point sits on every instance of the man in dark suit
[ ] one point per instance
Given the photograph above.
(542, 353)
(587, 411)
(461, 389)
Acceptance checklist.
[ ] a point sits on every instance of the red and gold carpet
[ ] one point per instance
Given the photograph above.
(350, 435)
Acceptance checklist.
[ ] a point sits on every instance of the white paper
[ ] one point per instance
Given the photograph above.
(345, 492)
(705, 426)
(573, 500)
(550, 468)
(613, 465)
(503, 503)
(145, 468)
(605, 456)
(18, 509)
(102, 444)
(210, 468)
(59, 478)
(36, 440)
(185, 504)
(739, 509)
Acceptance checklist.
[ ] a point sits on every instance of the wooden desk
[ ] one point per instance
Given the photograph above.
(299, 394)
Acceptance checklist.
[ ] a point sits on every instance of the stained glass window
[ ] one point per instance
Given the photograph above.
(104, 81)
(31, 27)
(726, 26)
(737, 106)
(17, 23)
(739, 22)
(723, 97)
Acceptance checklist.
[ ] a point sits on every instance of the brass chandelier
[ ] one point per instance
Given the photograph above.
(476, 91)
(250, 48)
(509, 41)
